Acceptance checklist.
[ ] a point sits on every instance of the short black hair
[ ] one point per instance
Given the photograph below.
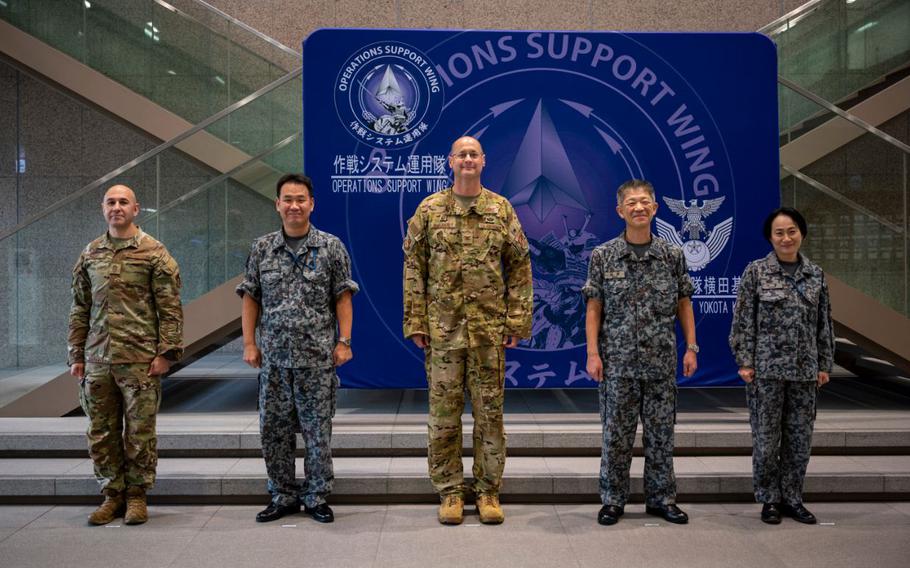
(634, 184)
(787, 212)
(294, 178)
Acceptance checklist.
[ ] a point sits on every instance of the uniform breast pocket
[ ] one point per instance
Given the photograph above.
(315, 287)
(135, 272)
(311, 275)
(665, 292)
(772, 305)
(270, 276)
(98, 268)
(444, 240)
(492, 239)
(270, 285)
(771, 295)
(616, 294)
(811, 292)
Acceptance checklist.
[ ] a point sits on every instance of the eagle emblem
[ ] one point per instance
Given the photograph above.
(698, 251)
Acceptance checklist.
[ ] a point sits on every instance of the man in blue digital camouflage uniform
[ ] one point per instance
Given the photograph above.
(297, 290)
(637, 287)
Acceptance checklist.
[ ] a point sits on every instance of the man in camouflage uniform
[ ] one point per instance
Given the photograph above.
(637, 286)
(297, 287)
(467, 295)
(125, 329)
(783, 342)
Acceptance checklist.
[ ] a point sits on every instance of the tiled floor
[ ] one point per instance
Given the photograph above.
(400, 536)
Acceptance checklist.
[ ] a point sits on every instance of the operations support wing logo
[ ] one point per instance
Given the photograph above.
(388, 95)
(698, 252)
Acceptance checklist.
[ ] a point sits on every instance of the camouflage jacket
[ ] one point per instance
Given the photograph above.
(126, 303)
(782, 324)
(296, 293)
(640, 299)
(467, 273)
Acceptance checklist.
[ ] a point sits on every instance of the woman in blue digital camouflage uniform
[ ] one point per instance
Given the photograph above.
(783, 343)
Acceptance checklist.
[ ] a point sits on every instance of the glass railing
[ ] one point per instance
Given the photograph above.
(857, 247)
(836, 48)
(851, 181)
(206, 216)
(182, 54)
(209, 229)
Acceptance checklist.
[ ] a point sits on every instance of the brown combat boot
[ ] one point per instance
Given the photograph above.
(489, 509)
(136, 510)
(110, 509)
(451, 509)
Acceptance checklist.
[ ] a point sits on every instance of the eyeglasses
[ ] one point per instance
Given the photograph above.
(466, 155)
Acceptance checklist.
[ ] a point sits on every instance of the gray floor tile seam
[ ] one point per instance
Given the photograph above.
(863, 462)
(894, 507)
(377, 552)
(26, 525)
(566, 534)
(76, 466)
(236, 463)
(399, 406)
(178, 551)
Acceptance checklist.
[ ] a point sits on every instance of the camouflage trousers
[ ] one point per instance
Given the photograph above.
(622, 402)
(121, 402)
(480, 370)
(291, 401)
(782, 415)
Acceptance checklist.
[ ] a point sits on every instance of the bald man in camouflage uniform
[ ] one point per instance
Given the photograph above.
(125, 329)
(467, 295)
(297, 290)
(637, 286)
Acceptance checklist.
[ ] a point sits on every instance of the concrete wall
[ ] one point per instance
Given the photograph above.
(290, 21)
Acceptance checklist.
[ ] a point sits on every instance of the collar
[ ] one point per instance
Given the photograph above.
(483, 205)
(132, 242)
(625, 248)
(313, 238)
(774, 265)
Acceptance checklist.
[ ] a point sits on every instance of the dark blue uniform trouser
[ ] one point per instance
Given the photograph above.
(292, 400)
(622, 402)
(782, 415)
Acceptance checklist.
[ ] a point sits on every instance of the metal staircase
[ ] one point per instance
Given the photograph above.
(844, 165)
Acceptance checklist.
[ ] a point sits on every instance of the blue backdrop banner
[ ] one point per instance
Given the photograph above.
(564, 119)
